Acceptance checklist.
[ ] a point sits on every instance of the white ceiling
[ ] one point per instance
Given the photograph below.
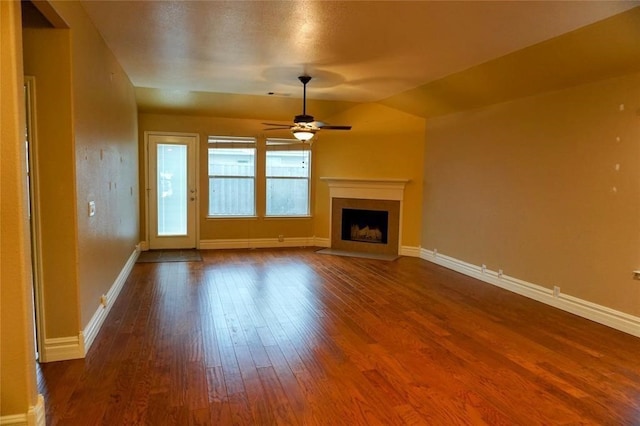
(355, 50)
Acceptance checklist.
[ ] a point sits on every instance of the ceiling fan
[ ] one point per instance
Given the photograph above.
(304, 126)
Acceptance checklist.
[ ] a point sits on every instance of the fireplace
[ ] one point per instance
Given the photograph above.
(367, 226)
(366, 214)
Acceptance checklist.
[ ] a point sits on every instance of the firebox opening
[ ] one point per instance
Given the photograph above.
(368, 226)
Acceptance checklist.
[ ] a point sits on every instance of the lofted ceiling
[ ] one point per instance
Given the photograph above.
(225, 57)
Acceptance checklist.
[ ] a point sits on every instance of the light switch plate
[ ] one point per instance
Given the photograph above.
(92, 208)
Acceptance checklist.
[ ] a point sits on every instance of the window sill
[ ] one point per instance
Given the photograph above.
(232, 217)
(258, 217)
(308, 216)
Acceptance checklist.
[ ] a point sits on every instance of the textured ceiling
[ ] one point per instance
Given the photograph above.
(605, 49)
(195, 53)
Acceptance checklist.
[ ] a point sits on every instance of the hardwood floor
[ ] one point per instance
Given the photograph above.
(291, 337)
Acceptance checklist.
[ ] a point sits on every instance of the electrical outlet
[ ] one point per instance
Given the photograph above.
(500, 273)
(556, 291)
(484, 268)
(281, 238)
(103, 300)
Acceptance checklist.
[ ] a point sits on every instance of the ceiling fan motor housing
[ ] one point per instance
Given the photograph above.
(303, 118)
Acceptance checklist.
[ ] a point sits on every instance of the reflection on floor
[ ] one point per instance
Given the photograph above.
(178, 255)
(376, 256)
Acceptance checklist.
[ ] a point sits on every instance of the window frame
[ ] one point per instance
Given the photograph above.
(290, 145)
(232, 142)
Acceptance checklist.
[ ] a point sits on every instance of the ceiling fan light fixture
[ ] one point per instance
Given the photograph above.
(303, 135)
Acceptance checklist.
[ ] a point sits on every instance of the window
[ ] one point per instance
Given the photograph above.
(288, 173)
(232, 176)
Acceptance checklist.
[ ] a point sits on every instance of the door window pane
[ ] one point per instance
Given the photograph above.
(172, 189)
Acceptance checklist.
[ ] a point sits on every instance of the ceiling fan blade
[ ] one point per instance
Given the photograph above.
(278, 128)
(335, 127)
(277, 124)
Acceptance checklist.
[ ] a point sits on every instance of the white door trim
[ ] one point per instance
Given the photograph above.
(35, 223)
(147, 188)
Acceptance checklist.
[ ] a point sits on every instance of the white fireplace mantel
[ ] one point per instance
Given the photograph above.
(363, 188)
(366, 189)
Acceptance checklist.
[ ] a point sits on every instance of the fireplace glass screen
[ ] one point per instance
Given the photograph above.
(367, 226)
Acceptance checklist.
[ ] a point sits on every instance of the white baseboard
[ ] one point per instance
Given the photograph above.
(75, 347)
(287, 242)
(34, 417)
(36, 414)
(409, 251)
(94, 325)
(62, 348)
(257, 243)
(601, 314)
(321, 242)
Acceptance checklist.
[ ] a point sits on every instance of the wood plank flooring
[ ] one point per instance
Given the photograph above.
(291, 337)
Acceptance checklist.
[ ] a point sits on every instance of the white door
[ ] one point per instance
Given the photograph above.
(172, 190)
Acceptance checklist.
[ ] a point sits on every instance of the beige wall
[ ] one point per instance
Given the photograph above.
(528, 187)
(106, 160)
(86, 120)
(47, 57)
(384, 143)
(18, 390)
